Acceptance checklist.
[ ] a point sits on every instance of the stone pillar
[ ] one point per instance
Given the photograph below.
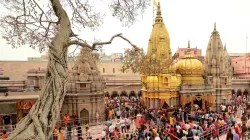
(209, 100)
(170, 101)
(73, 105)
(77, 107)
(156, 103)
(148, 103)
(203, 102)
(185, 100)
(151, 103)
(191, 100)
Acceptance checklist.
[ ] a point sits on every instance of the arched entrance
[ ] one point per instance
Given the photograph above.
(245, 92)
(114, 94)
(124, 94)
(239, 92)
(245, 96)
(233, 94)
(198, 101)
(132, 94)
(165, 105)
(107, 94)
(84, 115)
(139, 94)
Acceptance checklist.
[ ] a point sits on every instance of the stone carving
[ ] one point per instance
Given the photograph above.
(85, 69)
(83, 77)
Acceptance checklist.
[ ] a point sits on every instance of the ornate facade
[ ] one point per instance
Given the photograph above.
(85, 89)
(217, 69)
(161, 86)
(192, 89)
(184, 82)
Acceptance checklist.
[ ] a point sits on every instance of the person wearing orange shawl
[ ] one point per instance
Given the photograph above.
(4, 135)
(66, 119)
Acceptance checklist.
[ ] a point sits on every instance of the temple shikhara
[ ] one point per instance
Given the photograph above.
(187, 82)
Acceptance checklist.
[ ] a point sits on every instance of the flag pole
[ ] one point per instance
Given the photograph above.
(153, 11)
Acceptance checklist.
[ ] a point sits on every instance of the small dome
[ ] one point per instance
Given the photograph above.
(190, 65)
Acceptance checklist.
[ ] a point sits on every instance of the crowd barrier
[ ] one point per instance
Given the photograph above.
(100, 125)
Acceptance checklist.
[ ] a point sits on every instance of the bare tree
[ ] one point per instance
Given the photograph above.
(47, 24)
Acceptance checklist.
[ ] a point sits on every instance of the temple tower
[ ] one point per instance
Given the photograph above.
(85, 89)
(159, 42)
(217, 69)
(160, 85)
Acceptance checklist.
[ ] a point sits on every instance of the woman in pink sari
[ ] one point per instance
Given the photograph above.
(138, 121)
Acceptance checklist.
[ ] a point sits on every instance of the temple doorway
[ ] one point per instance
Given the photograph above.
(84, 116)
(165, 105)
(198, 102)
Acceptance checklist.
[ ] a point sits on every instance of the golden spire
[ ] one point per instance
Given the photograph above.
(158, 18)
(188, 49)
(189, 55)
(159, 42)
(214, 26)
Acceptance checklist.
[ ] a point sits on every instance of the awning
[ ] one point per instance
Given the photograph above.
(8, 108)
(18, 97)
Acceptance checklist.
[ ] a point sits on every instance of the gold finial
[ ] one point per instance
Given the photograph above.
(158, 9)
(188, 54)
(189, 49)
(158, 15)
(214, 26)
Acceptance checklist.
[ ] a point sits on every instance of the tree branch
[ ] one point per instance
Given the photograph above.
(93, 47)
(80, 43)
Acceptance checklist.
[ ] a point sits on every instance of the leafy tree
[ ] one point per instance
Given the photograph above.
(140, 62)
(52, 25)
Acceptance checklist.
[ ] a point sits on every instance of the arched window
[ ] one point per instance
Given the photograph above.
(166, 81)
(114, 94)
(124, 93)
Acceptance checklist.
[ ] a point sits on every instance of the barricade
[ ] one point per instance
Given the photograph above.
(73, 123)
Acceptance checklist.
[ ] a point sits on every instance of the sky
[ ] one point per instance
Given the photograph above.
(185, 20)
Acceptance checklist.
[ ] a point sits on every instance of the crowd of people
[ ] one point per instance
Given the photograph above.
(185, 123)
(127, 119)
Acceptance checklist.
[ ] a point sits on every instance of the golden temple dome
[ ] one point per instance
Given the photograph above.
(159, 42)
(190, 65)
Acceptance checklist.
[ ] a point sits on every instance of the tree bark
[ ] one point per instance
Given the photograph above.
(41, 120)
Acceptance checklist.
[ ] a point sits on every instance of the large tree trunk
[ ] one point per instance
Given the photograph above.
(41, 120)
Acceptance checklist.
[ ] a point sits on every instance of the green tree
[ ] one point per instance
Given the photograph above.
(138, 61)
